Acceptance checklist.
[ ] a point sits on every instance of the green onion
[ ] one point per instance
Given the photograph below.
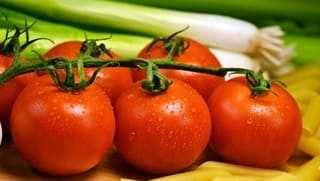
(297, 16)
(229, 59)
(126, 45)
(213, 30)
(129, 45)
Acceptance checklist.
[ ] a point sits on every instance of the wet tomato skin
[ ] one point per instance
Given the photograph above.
(10, 90)
(68, 49)
(163, 133)
(62, 133)
(112, 80)
(260, 131)
(196, 54)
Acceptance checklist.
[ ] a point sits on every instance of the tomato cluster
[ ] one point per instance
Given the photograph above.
(62, 133)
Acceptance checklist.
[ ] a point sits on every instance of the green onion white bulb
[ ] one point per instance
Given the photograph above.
(229, 59)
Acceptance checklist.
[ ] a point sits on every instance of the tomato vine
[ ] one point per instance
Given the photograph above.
(257, 82)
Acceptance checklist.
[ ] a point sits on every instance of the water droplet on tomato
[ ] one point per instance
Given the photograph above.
(130, 96)
(132, 136)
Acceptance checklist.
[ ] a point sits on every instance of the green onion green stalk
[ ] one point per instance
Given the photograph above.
(128, 45)
(213, 30)
(294, 16)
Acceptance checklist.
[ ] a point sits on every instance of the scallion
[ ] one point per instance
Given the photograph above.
(294, 16)
(213, 30)
(126, 45)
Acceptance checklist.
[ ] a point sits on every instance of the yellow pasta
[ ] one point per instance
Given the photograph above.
(309, 171)
(195, 175)
(289, 167)
(294, 163)
(307, 72)
(283, 177)
(317, 135)
(312, 84)
(309, 145)
(237, 178)
(241, 170)
(303, 97)
(311, 117)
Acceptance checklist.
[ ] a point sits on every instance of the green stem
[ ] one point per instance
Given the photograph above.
(69, 75)
(155, 82)
(61, 63)
(81, 72)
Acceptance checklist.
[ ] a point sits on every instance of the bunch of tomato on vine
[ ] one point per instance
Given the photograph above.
(160, 110)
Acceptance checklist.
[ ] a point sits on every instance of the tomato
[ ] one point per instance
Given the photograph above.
(162, 133)
(68, 49)
(261, 130)
(195, 54)
(62, 133)
(10, 90)
(112, 80)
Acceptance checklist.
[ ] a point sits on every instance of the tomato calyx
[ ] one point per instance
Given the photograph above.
(92, 48)
(257, 83)
(173, 45)
(155, 82)
(89, 50)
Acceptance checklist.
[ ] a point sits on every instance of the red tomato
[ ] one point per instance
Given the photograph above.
(25, 79)
(195, 54)
(69, 49)
(62, 133)
(10, 90)
(112, 80)
(162, 133)
(260, 130)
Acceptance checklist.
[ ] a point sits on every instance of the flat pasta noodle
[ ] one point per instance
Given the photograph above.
(309, 171)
